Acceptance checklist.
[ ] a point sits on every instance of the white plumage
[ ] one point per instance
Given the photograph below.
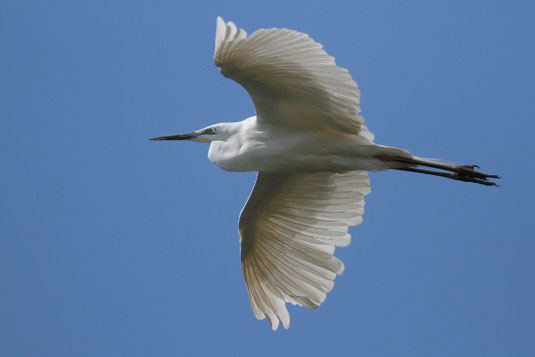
(312, 151)
(288, 230)
(290, 78)
(292, 221)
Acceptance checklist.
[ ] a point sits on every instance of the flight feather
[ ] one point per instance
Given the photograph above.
(290, 79)
(289, 228)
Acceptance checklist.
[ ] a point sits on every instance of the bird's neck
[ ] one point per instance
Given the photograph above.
(229, 131)
(225, 131)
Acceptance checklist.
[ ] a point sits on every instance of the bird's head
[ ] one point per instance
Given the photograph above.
(205, 135)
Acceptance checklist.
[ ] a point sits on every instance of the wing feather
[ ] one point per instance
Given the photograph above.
(289, 228)
(290, 79)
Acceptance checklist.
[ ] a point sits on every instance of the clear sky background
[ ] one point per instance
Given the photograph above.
(112, 245)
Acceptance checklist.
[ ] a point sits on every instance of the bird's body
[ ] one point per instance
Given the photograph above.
(312, 152)
(251, 145)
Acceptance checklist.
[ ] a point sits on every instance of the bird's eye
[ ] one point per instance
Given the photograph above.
(212, 130)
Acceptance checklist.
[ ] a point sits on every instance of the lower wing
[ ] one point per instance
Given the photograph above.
(289, 228)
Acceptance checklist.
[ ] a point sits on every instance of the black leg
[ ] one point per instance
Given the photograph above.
(450, 175)
(466, 173)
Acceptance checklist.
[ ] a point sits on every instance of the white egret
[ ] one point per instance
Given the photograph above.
(312, 152)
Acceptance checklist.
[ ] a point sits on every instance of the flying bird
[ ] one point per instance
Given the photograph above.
(312, 152)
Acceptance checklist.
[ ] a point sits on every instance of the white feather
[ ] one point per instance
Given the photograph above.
(288, 230)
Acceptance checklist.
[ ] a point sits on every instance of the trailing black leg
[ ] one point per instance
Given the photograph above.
(466, 173)
(450, 175)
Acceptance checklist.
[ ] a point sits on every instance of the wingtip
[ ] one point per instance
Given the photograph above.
(219, 33)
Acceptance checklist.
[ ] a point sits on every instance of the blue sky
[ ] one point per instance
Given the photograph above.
(113, 245)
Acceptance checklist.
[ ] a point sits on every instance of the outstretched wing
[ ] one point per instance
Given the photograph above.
(288, 230)
(290, 78)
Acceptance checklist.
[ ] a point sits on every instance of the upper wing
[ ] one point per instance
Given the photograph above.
(290, 78)
(288, 230)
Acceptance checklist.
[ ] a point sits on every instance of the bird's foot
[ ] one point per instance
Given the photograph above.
(468, 173)
(470, 167)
